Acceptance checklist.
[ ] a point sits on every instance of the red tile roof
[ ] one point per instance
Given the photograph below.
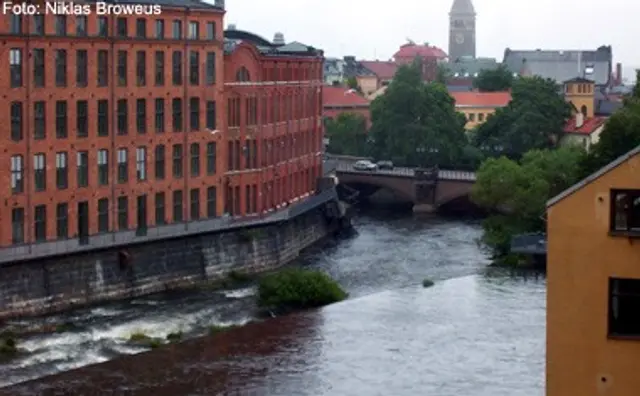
(342, 97)
(422, 51)
(589, 126)
(481, 99)
(384, 70)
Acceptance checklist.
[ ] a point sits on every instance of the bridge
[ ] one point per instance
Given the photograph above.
(427, 189)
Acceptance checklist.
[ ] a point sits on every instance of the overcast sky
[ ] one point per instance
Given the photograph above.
(371, 29)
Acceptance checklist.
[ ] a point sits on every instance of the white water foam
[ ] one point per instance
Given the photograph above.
(240, 293)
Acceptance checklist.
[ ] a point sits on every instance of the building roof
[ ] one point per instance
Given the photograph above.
(233, 37)
(562, 65)
(589, 125)
(580, 80)
(342, 97)
(462, 7)
(606, 107)
(384, 70)
(481, 99)
(412, 50)
(470, 67)
(192, 4)
(594, 176)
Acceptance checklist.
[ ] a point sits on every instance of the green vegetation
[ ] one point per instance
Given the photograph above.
(217, 329)
(295, 288)
(492, 80)
(352, 83)
(427, 282)
(347, 134)
(141, 339)
(175, 337)
(8, 345)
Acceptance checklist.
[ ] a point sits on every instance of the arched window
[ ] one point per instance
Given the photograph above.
(583, 110)
(243, 74)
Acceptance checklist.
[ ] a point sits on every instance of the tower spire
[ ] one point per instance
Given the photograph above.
(462, 7)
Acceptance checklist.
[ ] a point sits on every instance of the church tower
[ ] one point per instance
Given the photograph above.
(462, 30)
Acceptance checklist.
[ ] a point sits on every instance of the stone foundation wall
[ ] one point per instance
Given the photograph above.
(57, 284)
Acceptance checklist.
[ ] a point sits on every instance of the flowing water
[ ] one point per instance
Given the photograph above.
(476, 332)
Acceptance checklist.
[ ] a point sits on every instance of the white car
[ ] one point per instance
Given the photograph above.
(365, 165)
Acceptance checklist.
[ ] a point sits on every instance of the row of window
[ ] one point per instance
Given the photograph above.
(276, 108)
(104, 170)
(17, 25)
(481, 116)
(104, 210)
(82, 124)
(274, 150)
(82, 61)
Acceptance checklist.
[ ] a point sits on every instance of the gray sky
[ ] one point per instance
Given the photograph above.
(378, 28)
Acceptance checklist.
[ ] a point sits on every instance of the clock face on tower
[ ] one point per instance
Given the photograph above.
(459, 38)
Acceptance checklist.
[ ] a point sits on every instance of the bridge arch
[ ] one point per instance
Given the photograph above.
(403, 187)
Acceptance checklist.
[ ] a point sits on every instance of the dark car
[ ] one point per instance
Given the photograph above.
(388, 165)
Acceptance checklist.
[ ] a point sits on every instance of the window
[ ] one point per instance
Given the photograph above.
(103, 117)
(159, 162)
(103, 28)
(16, 121)
(81, 68)
(61, 25)
(211, 68)
(472, 117)
(624, 301)
(211, 202)
(194, 67)
(243, 75)
(38, 67)
(17, 174)
(83, 168)
(211, 158)
(62, 170)
(62, 220)
(40, 223)
(123, 213)
(159, 68)
(15, 66)
(194, 196)
(160, 209)
(211, 30)
(141, 28)
(17, 226)
(159, 118)
(103, 167)
(176, 105)
(103, 215)
(16, 24)
(122, 117)
(123, 167)
(82, 123)
(121, 27)
(625, 210)
(141, 215)
(177, 161)
(177, 67)
(160, 28)
(141, 115)
(40, 172)
(233, 112)
(251, 108)
(141, 163)
(81, 25)
(177, 206)
(141, 68)
(61, 119)
(480, 117)
(194, 151)
(122, 68)
(211, 115)
(194, 113)
(103, 66)
(38, 25)
(177, 29)
(194, 28)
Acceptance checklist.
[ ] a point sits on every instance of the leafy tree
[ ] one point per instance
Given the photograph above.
(347, 134)
(492, 80)
(416, 124)
(352, 83)
(442, 74)
(534, 119)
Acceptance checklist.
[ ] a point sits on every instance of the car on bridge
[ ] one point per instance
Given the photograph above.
(365, 165)
(387, 165)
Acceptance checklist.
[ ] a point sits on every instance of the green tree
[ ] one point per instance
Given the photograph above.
(534, 119)
(443, 74)
(352, 83)
(347, 134)
(416, 124)
(492, 80)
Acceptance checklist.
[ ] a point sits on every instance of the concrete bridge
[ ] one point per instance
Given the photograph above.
(427, 189)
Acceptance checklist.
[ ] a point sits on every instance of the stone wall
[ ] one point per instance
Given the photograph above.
(57, 284)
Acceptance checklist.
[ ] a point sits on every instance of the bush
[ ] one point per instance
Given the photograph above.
(427, 282)
(143, 340)
(298, 289)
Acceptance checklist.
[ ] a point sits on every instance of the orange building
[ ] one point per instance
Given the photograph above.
(593, 284)
(274, 138)
(338, 100)
(478, 106)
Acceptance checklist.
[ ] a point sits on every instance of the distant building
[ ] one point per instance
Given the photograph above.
(382, 72)
(338, 100)
(333, 71)
(462, 30)
(478, 106)
(430, 57)
(593, 284)
(463, 71)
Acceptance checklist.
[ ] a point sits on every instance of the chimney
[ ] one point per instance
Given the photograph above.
(278, 39)
(618, 74)
(231, 26)
(579, 119)
(219, 4)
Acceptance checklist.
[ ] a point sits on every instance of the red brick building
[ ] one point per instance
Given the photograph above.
(429, 55)
(273, 95)
(108, 123)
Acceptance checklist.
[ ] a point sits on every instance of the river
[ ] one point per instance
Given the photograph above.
(476, 332)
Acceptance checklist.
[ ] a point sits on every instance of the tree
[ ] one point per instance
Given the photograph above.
(416, 124)
(534, 119)
(352, 83)
(347, 134)
(442, 74)
(492, 80)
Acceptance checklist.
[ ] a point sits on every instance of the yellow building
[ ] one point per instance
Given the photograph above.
(593, 284)
(478, 106)
(584, 128)
(580, 93)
